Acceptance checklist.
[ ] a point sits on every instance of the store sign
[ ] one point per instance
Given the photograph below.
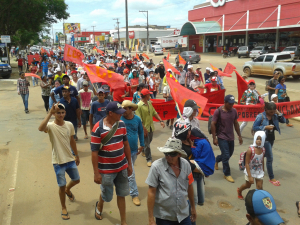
(5, 39)
(217, 3)
(131, 34)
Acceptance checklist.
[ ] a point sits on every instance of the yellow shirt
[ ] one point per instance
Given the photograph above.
(60, 77)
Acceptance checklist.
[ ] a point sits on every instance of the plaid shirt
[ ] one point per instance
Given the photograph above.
(23, 86)
(189, 77)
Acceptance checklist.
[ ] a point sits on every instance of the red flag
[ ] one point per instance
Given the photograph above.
(137, 56)
(73, 55)
(32, 75)
(94, 48)
(99, 51)
(181, 60)
(119, 54)
(200, 76)
(229, 68)
(242, 85)
(37, 58)
(59, 47)
(51, 52)
(114, 80)
(145, 55)
(168, 57)
(169, 66)
(181, 94)
(220, 73)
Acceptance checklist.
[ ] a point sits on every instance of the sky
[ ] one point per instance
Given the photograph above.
(100, 13)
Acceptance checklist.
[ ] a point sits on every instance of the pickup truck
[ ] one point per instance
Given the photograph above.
(268, 63)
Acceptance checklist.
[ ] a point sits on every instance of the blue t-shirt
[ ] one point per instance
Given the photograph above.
(136, 98)
(44, 65)
(98, 110)
(56, 96)
(281, 90)
(73, 91)
(70, 110)
(135, 131)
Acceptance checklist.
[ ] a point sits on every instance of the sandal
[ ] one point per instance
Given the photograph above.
(275, 183)
(85, 137)
(297, 205)
(66, 215)
(71, 197)
(97, 212)
(240, 196)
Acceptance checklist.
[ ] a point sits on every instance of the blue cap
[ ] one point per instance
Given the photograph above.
(115, 107)
(261, 204)
(230, 99)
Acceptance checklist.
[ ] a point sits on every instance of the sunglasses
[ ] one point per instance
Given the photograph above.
(172, 154)
(252, 84)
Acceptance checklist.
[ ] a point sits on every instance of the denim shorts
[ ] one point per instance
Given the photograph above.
(85, 117)
(120, 180)
(70, 168)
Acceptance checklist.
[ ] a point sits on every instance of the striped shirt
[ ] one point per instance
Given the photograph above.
(111, 158)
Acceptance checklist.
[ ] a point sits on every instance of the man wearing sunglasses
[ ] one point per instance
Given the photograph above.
(170, 184)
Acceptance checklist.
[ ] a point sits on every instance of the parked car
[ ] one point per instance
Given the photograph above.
(189, 56)
(5, 70)
(244, 51)
(158, 51)
(268, 63)
(260, 50)
(293, 50)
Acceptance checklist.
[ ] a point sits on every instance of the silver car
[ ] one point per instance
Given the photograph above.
(189, 56)
(293, 50)
(158, 51)
(244, 51)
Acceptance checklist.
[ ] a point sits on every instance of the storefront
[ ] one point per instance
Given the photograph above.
(225, 24)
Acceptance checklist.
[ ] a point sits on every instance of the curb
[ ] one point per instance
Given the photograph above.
(295, 118)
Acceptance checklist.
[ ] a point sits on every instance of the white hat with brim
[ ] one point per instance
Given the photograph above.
(190, 66)
(173, 145)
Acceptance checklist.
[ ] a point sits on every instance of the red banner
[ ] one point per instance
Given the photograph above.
(181, 60)
(216, 97)
(169, 66)
(220, 73)
(37, 58)
(109, 64)
(242, 86)
(73, 55)
(229, 68)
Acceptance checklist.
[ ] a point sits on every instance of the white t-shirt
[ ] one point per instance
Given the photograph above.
(60, 137)
(85, 98)
(167, 91)
(194, 83)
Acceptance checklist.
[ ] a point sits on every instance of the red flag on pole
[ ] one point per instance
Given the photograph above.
(137, 56)
(169, 66)
(181, 94)
(99, 51)
(220, 73)
(168, 57)
(145, 55)
(73, 55)
(242, 85)
(181, 60)
(229, 68)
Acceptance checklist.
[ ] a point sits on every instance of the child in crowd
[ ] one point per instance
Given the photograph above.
(254, 164)
(157, 81)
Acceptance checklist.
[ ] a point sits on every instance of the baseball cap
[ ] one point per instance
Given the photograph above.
(161, 63)
(73, 71)
(251, 81)
(106, 88)
(190, 66)
(115, 107)
(230, 99)
(146, 92)
(191, 103)
(169, 70)
(85, 83)
(66, 76)
(198, 67)
(207, 68)
(101, 90)
(214, 79)
(61, 106)
(57, 70)
(261, 204)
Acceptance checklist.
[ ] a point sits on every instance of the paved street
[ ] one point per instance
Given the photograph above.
(25, 165)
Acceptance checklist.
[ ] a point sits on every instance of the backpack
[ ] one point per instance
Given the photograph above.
(262, 119)
(242, 161)
(210, 121)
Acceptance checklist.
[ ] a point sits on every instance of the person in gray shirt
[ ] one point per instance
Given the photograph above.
(181, 78)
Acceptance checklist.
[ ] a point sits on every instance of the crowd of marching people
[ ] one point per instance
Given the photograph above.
(122, 127)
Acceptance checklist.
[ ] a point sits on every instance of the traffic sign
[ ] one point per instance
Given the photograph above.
(5, 38)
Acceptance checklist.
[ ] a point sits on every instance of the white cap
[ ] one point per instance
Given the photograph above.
(273, 96)
(169, 70)
(207, 68)
(142, 66)
(133, 70)
(190, 66)
(211, 70)
(57, 70)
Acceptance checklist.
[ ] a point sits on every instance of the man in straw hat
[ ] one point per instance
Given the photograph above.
(170, 184)
(135, 132)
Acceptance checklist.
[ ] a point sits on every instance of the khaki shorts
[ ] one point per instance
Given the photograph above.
(247, 179)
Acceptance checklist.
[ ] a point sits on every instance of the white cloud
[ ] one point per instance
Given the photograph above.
(138, 21)
(99, 12)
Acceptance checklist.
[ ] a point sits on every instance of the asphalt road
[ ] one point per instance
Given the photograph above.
(25, 165)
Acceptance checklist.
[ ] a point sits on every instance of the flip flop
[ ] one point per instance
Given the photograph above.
(275, 183)
(85, 137)
(297, 205)
(96, 212)
(71, 197)
(65, 216)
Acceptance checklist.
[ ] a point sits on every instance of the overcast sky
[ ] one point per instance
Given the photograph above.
(100, 13)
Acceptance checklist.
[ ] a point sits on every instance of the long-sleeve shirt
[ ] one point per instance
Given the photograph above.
(135, 131)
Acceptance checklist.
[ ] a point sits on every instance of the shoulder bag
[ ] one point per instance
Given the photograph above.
(110, 134)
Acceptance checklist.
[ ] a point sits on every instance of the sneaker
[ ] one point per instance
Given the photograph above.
(171, 127)
(27, 111)
(149, 164)
(136, 201)
(167, 123)
(229, 179)
(289, 125)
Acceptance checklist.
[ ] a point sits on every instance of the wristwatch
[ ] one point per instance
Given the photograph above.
(161, 121)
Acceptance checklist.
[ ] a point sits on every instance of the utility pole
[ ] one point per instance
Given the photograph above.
(93, 34)
(118, 32)
(64, 32)
(52, 36)
(127, 38)
(147, 30)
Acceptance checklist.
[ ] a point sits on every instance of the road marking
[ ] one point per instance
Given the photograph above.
(11, 194)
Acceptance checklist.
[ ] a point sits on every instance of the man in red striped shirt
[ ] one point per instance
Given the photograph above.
(112, 164)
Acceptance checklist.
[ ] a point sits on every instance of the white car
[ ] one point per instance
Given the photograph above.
(158, 51)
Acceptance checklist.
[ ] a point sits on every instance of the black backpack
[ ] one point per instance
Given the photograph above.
(210, 121)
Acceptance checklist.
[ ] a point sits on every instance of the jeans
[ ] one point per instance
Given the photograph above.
(132, 182)
(70, 168)
(227, 148)
(46, 102)
(34, 81)
(25, 100)
(186, 221)
(269, 155)
(154, 94)
(75, 127)
(147, 149)
(199, 190)
(160, 85)
(287, 120)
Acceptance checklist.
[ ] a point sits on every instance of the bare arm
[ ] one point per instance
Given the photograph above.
(43, 125)
(237, 130)
(214, 132)
(191, 199)
(52, 96)
(78, 114)
(128, 157)
(150, 204)
(91, 122)
(74, 148)
(247, 162)
(97, 175)
(276, 91)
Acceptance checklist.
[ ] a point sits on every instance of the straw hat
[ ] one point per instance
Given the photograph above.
(127, 103)
(173, 145)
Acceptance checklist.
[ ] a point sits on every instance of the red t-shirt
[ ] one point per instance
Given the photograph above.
(117, 93)
(134, 81)
(20, 62)
(210, 88)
